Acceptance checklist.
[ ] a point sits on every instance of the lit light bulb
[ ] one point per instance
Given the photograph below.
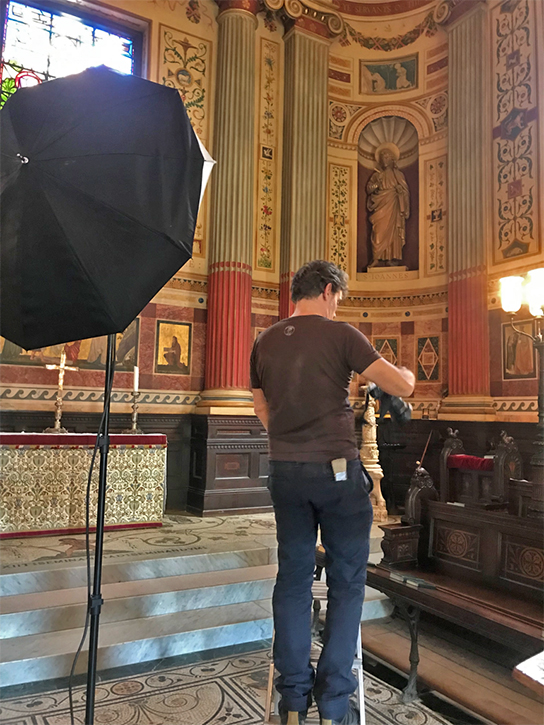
(511, 292)
(534, 292)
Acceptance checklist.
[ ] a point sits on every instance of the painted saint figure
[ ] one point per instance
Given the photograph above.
(402, 80)
(388, 200)
(172, 354)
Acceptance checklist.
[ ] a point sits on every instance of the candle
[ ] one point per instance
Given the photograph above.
(136, 378)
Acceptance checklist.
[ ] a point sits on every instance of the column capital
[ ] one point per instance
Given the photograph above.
(248, 6)
(318, 17)
(448, 12)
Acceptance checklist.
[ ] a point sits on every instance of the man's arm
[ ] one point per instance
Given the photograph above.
(392, 380)
(261, 406)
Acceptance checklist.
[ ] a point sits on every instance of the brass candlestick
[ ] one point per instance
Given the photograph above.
(62, 367)
(134, 430)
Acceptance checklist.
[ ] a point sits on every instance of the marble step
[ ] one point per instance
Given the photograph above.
(36, 613)
(47, 656)
(67, 575)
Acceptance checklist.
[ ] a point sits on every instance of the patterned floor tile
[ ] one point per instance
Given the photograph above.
(225, 691)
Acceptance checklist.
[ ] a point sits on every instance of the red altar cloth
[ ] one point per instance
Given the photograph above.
(63, 440)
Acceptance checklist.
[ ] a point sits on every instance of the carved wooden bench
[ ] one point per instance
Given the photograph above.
(478, 480)
(479, 568)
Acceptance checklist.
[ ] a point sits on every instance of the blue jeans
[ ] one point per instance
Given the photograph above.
(306, 495)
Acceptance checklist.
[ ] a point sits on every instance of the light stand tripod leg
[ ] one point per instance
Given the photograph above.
(96, 600)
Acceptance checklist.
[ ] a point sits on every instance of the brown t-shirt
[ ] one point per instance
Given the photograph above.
(303, 366)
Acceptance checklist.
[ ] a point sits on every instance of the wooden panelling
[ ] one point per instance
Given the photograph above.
(401, 446)
(233, 475)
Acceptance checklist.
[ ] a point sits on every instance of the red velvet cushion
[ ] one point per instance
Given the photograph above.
(470, 463)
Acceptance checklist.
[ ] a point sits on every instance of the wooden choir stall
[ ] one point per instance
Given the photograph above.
(468, 553)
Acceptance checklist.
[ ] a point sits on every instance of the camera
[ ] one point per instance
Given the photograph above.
(399, 409)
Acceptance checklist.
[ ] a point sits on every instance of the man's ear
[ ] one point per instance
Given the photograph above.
(327, 292)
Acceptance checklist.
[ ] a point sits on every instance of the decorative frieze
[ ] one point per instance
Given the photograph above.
(515, 133)
(185, 64)
(436, 221)
(339, 214)
(267, 230)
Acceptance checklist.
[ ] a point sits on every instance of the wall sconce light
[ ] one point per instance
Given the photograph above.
(513, 292)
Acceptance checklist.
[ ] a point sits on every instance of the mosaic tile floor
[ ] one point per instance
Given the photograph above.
(179, 535)
(218, 692)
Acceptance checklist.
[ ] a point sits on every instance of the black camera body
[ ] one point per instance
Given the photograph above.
(399, 409)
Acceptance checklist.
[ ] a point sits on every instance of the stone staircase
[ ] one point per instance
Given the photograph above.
(156, 606)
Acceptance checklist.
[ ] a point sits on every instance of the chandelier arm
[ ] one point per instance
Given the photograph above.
(521, 332)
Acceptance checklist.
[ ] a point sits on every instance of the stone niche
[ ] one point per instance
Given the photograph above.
(398, 139)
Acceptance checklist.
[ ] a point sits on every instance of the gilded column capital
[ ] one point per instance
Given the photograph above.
(248, 6)
(310, 15)
(448, 11)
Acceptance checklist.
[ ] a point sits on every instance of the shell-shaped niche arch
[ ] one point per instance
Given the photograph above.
(391, 130)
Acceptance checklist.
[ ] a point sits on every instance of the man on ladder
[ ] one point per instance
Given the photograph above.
(300, 373)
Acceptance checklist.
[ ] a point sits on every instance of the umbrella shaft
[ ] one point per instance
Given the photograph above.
(96, 601)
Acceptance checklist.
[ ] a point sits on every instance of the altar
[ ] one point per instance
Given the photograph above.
(43, 482)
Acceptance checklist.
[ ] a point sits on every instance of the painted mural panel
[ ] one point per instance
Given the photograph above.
(339, 216)
(518, 353)
(388, 347)
(267, 217)
(389, 76)
(87, 354)
(173, 347)
(436, 222)
(428, 358)
(185, 63)
(515, 133)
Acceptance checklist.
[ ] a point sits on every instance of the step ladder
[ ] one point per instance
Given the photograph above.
(271, 714)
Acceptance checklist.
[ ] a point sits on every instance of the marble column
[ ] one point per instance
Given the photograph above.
(470, 227)
(228, 343)
(309, 26)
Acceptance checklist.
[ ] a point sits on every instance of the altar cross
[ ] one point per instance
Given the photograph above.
(62, 368)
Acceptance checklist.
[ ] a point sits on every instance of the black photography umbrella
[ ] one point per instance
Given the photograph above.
(101, 180)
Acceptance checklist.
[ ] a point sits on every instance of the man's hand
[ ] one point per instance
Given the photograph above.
(392, 380)
(260, 405)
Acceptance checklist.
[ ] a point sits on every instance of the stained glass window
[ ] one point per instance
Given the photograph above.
(41, 43)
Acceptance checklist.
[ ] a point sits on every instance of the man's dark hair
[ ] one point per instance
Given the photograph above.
(312, 278)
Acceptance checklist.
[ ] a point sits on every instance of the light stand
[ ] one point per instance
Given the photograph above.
(96, 601)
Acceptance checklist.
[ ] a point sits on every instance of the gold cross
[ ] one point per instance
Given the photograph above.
(62, 368)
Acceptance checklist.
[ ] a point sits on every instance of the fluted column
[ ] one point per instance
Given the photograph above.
(230, 262)
(310, 25)
(470, 189)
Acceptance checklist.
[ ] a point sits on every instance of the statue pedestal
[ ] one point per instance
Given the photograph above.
(379, 275)
(380, 270)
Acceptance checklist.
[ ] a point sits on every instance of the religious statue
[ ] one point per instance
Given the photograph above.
(388, 200)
